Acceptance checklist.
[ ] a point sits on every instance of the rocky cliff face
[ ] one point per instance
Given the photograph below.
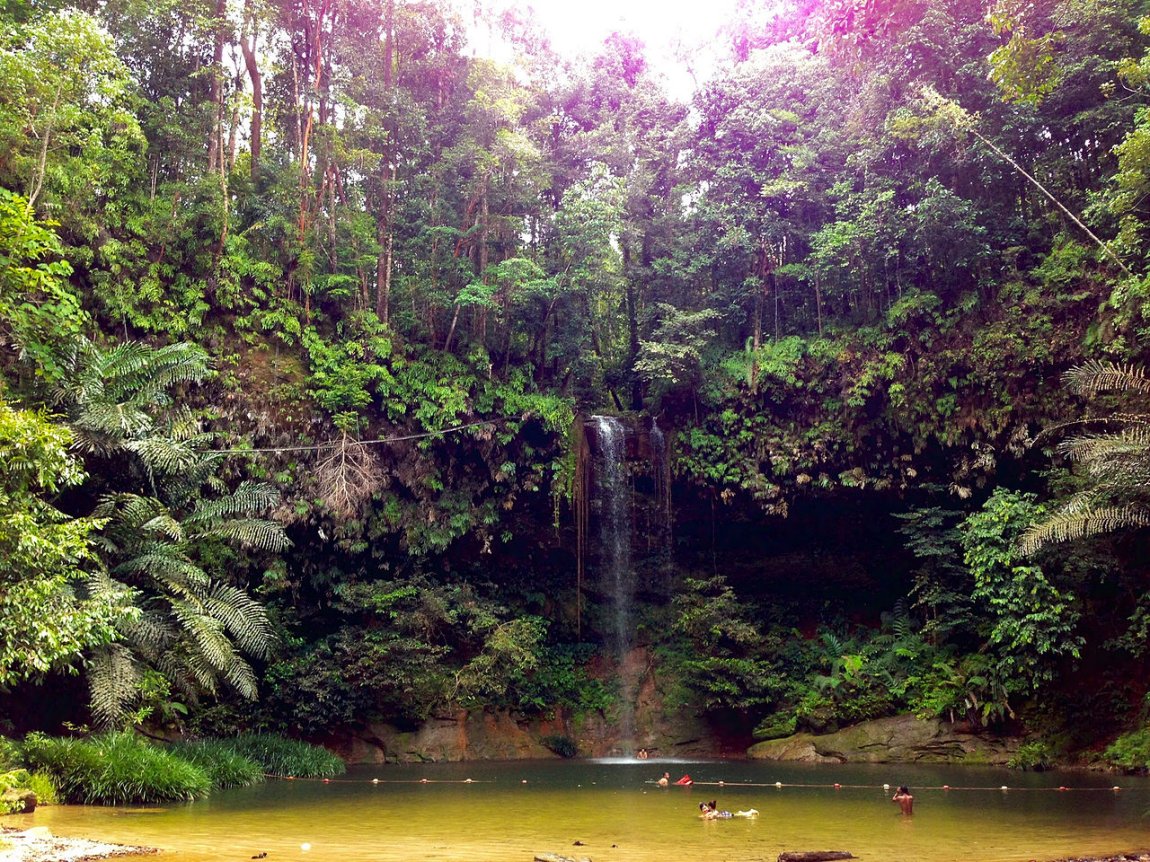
(900, 739)
(481, 735)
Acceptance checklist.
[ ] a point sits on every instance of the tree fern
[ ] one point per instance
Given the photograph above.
(1116, 464)
(171, 504)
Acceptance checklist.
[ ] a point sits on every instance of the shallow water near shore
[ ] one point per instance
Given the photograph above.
(510, 811)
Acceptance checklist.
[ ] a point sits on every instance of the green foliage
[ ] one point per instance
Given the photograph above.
(346, 373)
(725, 661)
(499, 673)
(354, 674)
(1130, 751)
(40, 312)
(220, 761)
(1033, 623)
(47, 616)
(278, 755)
(44, 787)
(1034, 755)
(777, 725)
(674, 354)
(562, 679)
(114, 769)
(65, 120)
(9, 753)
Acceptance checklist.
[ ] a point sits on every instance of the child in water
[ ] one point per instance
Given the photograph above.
(710, 811)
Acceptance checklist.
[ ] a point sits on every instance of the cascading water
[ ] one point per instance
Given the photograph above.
(618, 575)
(615, 527)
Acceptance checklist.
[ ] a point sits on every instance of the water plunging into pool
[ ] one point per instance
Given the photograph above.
(613, 502)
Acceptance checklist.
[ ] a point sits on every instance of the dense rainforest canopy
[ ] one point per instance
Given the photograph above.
(304, 304)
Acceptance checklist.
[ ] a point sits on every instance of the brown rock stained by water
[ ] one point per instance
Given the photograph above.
(899, 739)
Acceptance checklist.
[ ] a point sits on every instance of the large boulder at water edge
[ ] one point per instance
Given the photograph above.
(18, 801)
(900, 739)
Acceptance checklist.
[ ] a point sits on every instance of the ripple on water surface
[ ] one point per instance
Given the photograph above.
(510, 811)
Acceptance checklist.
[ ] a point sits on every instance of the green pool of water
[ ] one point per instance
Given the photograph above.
(510, 811)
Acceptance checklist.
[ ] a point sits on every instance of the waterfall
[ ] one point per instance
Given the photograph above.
(617, 574)
(615, 527)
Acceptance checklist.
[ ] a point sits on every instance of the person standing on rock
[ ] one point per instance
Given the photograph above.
(904, 799)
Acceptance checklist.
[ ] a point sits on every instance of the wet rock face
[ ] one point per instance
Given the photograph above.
(900, 739)
(482, 735)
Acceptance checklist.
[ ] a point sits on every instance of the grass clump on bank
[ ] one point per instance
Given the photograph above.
(224, 765)
(115, 768)
(280, 756)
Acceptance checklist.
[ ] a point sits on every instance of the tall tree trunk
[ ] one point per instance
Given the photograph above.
(215, 135)
(632, 329)
(483, 252)
(385, 227)
(248, 47)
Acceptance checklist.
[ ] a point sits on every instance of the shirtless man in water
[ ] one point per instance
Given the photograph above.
(904, 799)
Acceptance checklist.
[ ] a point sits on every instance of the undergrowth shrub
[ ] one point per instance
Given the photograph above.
(44, 787)
(225, 766)
(114, 768)
(1035, 755)
(9, 754)
(1130, 751)
(564, 746)
(278, 755)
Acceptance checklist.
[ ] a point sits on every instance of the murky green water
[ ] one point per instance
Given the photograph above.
(510, 811)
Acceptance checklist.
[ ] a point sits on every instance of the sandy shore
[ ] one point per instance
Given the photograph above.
(40, 845)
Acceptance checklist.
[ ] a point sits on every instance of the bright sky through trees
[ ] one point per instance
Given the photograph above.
(678, 34)
(582, 26)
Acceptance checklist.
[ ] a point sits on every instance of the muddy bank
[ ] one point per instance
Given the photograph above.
(40, 845)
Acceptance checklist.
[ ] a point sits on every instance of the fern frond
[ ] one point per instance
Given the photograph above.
(240, 676)
(163, 455)
(243, 617)
(206, 632)
(1065, 526)
(129, 509)
(163, 526)
(1131, 440)
(172, 572)
(1094, 376)
(250, 533)
(248, 498)
(113, 683)
(150, 634)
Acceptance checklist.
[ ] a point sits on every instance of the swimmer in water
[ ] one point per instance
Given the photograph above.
(904, 799)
